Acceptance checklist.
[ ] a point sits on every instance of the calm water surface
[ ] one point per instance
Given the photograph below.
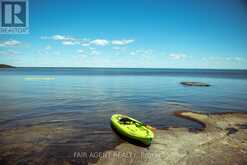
(84, 99)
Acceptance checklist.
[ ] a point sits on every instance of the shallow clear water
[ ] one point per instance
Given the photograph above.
(85, 99)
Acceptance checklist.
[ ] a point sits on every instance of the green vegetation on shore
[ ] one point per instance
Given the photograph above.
(6, 66)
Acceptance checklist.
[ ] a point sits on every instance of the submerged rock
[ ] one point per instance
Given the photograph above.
(191, 83)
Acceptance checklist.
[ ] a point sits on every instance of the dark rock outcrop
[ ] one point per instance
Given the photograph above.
(191, 83)
(5, 66)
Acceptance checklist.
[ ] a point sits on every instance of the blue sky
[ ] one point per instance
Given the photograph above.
(135, 33)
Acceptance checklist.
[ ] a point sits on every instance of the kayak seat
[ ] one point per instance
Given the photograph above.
(125, 120)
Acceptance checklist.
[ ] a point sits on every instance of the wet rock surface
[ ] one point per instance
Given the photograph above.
(49, 143)
(223, 140)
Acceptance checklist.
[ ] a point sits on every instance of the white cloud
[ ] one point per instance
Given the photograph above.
(121, 42)
(69, 43)
(85, 44)
(68, 40)
(8, 52)
(91, 48)
(59, 37)
(220, 58)
(133, 53)
(80, 51)
(62, 38)
(142, 52)
(178, 56)
(65, 40)
(10, 43)
(100, 42)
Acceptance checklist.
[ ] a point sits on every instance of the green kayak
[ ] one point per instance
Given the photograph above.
(132, 128)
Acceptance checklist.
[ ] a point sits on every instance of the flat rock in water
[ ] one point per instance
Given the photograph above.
(191, 83)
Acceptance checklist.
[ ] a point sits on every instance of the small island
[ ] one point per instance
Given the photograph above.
(6, 66)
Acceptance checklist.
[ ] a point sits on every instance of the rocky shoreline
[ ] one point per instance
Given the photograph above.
(223, 140)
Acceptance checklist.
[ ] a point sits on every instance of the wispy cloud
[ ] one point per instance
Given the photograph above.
(65, 40)
(10, 43)
(70, 43)
(234, 58)
(142, 52)
(100, 42)
(80, 51)
(227, 59)
(8, 52)
(59, 38)
(121, 42)
(85, 44)
(178, 56)
(48, 50)
(68, 40)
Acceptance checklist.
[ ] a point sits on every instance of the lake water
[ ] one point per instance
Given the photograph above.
(83, 100)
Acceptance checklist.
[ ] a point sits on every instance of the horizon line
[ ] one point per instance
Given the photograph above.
(129, 68)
